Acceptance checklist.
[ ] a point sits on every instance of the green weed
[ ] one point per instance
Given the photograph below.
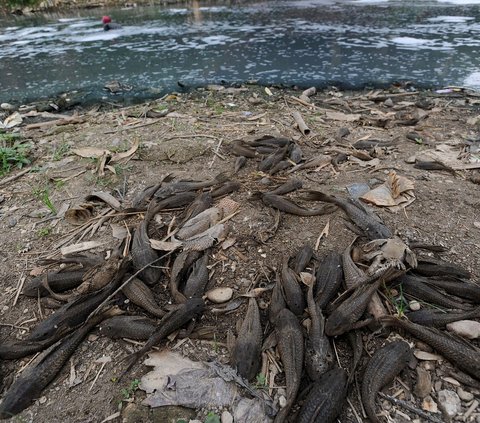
(12, 153)
(128, 392)
(60, 151)
(43, 195)
(44, 232)
(212, 418)
(261, 381)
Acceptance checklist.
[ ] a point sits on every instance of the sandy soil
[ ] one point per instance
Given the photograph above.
(193, 141)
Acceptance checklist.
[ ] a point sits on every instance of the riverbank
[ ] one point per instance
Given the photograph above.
(190, 135)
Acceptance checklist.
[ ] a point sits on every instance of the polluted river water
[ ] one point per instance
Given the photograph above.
(352, 44)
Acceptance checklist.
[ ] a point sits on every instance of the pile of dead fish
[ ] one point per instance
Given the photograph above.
(334, 295)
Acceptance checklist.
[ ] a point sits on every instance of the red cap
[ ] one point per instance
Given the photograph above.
(106, 20)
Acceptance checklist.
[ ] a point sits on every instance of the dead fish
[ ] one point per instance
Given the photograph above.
(435, 267)
(141, 295)
(240, 148)
(225, 189)
(326, 398)
(436, 318)
(465, 356)
(433, 165)
(318, 351)
(382, 368)
(270, 161)
(239, 163)
(37, 377)
(345, 317)
(200, 223)
(315, 162)
(414, 286)
(296, 154)
(247, 348)
(173, 320)
(143, 255)
(177, 187)
(180, 268)
(458, 287)
(277, 302)
(202, 202)
(370, 224)
(58, 282)
(302, 258)
(292, 291)
(282, 165)
(269, 141)
(329, 278)
(198, 279)
(290, 345)
(287, 206)
(138, 328)
(289, 186)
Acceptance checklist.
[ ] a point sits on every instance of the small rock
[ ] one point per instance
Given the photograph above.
(388, 102)
(428, 404)
(42, 400)
(7, 106)
(451, 380)
(438, 385)
(450, 402)
(423, 355)
(220, 295)
(464, 395)
(343, 132)
(411, 160)
(282, 401)
(11, 222)
(414, 305)
(467, 328)
(226, 417)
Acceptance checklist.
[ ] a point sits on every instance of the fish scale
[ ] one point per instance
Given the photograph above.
(325, 399)
(290, 345)
(382, 368)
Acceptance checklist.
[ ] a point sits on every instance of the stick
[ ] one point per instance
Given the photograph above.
(302, 126)
(12, 178)
(215, 152)
(410, 407)
(58, 122)
(94, 312)
(19, 288)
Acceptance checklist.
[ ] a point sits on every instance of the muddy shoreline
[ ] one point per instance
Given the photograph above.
(190, 135)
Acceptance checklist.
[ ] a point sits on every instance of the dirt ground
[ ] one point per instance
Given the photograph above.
(192, 140)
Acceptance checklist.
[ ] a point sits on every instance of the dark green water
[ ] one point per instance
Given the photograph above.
(351, 43)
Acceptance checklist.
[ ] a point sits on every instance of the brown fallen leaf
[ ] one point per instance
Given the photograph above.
(90, 152)
(126, 155)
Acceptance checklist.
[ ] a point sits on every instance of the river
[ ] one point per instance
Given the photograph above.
(353, 44)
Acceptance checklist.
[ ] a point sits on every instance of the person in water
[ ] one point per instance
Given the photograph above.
(108, 24)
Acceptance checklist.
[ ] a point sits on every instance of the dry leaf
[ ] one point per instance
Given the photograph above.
(13, 120)
(126, 155)
(90, 152)
(82, 246)
(342, 116)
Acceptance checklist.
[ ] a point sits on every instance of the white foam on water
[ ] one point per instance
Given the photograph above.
(472, 80)
(460, 2)
(451, 19)
(410, 41)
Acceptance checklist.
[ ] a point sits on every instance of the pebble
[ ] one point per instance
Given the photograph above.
(423, 355)
(11, 222)
(42, 400)
(469, 329)
(388, 102)
(450, 401)
(220, 295)
(428, 404)
(7, 106)
(438, 385)
(411, 160)
(226, 417)
(464, 395)
(414, 305)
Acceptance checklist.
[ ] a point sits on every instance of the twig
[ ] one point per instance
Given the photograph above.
(410, 407)
(94, 312)
(141, 125)
(176, 137)
(16, 176)
(98, 374)
(359, 420)
(19, 288)
(215, 152)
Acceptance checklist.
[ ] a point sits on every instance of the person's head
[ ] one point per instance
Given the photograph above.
(106, 20)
